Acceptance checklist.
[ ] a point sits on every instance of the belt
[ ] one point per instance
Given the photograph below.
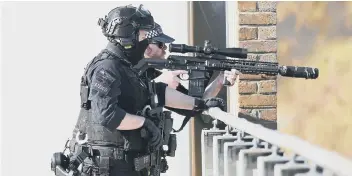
(113, 152)
(120, 154)
(144, 161)
(104, 158)
(108, 155)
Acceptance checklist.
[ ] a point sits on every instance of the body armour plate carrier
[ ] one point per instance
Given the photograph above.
(88, 129)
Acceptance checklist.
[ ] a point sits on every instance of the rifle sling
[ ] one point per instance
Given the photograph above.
(185, 120)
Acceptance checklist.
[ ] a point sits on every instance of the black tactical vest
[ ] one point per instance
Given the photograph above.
(135, 92)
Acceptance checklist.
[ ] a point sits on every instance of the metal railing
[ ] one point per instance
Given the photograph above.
(247, 149)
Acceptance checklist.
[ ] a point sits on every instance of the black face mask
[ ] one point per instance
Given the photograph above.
(137, 54)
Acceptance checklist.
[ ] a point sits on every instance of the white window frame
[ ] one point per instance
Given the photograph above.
(232, 40)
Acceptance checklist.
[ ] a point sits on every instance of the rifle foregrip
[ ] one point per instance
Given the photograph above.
(299, 72)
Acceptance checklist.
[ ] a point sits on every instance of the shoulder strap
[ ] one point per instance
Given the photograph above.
(85, 88)
(185, 121)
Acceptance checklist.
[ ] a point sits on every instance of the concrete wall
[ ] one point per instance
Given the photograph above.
(45, 47)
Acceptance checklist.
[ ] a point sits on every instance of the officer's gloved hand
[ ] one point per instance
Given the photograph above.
(201, 105)
(153, 130)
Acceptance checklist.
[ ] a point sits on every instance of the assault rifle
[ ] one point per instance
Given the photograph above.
(209, 58)
(156, 159)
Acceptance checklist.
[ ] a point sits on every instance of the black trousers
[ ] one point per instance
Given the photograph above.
(122, 168)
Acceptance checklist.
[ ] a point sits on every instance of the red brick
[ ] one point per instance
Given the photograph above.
(265, 114)
(268, 114)
(247, 6)
(270, 57)
(248, 33)
(267, 33)
(267, 86)
(259, 46)
(245, 87)
(257, 100)
(262, 18)
(267, 6)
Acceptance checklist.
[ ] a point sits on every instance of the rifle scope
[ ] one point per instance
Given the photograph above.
(208, 49)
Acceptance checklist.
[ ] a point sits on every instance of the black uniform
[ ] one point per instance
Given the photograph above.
(110, 88)
(114, 91)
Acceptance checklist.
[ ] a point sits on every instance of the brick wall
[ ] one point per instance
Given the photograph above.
(257, 33)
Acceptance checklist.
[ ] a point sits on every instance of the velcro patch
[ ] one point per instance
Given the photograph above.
(103, 81)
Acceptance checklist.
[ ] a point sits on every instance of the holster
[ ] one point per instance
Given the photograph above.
(64, 166)
(103, 158)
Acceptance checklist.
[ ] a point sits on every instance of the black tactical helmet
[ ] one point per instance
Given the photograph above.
(123, 23)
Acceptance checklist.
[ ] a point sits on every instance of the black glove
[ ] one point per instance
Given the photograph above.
(156, 140)
(202, 105)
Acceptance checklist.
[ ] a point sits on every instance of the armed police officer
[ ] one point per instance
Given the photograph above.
(156, 49)
(108, 136)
